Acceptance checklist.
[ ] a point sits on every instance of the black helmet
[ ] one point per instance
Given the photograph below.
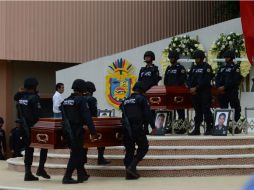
(31, 83)
(139, 86)
(229, 53)
(198, 54)
(173, 54)
(90, 87)
(149, 53)
(79, 85)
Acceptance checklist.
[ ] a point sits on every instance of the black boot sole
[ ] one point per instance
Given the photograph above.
(134, 174)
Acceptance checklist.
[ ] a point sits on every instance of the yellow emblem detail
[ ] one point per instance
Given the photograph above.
(119, 81)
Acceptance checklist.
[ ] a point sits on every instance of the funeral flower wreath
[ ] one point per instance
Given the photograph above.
(184, 45)
(225, 42)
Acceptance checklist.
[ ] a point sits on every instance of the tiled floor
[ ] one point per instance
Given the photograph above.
(15, 179)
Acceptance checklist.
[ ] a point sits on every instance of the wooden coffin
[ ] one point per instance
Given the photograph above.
(173, 97)
(47, 133)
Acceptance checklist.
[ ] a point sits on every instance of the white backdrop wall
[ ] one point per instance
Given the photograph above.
(96, 70)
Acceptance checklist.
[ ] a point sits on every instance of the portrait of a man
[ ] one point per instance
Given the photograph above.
(160, 120)
(221, 124)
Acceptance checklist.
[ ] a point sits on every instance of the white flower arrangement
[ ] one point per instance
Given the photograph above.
(184, 45)
(227, 42)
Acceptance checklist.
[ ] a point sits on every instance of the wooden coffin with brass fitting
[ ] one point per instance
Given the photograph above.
(174, 97)
(47, 133)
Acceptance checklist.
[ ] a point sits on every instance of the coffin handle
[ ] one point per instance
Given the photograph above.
(99, 137)
(178, 99)
(155, 100)
(42, 138)
(119, 136)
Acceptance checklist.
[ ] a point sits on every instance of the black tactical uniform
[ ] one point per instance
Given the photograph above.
(175, 75)
(200, 77)
(92, 104)
(2, 140)
(16, 142)
(29, 105)
(229, 77)
(135, 111)
(76, 113)
(149, 76)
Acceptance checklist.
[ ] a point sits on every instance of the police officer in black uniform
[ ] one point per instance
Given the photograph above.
(149, 76)
(227, 81)
(92, 104)
(175, 75)
(75, 114)
(29, 107)
(135, 111)
(199, 83)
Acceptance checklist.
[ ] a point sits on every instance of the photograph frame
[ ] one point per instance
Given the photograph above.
(105, 113)
(221, 122)
(166, 113)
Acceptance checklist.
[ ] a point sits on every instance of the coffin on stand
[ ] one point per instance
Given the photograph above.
(47, 133)
(174, 97)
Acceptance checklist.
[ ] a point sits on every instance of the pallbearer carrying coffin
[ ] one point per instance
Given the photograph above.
(28, 104)
(135, 111)
(76, 113)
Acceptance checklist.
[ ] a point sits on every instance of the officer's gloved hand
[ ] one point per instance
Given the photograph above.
(95, 137)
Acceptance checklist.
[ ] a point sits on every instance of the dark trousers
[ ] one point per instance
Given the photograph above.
(139, 139)
(29, 152)
(1, 156)
(29, 156)
(232, 99)
(77, 152)
(76, 161)
(181, 114)
(202, 104)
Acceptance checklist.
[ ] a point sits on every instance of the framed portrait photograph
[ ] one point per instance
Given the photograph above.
(221, 121)
(104, 113)
(161, 119)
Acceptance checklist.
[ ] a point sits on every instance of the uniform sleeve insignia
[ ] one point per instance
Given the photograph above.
(208, 70)
(182, 71)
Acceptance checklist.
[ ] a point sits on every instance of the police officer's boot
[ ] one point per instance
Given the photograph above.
(131, 169)
(209, 130)
(67, 179)
(101, 159)
(41, 172)
(28, 175)
(82, 175)
(130, 177)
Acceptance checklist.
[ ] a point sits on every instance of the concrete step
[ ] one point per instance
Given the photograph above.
(200, 140)
(161, 160)
(180, 150)
(145, 171)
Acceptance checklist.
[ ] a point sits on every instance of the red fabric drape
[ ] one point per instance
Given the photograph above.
(247, 17)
